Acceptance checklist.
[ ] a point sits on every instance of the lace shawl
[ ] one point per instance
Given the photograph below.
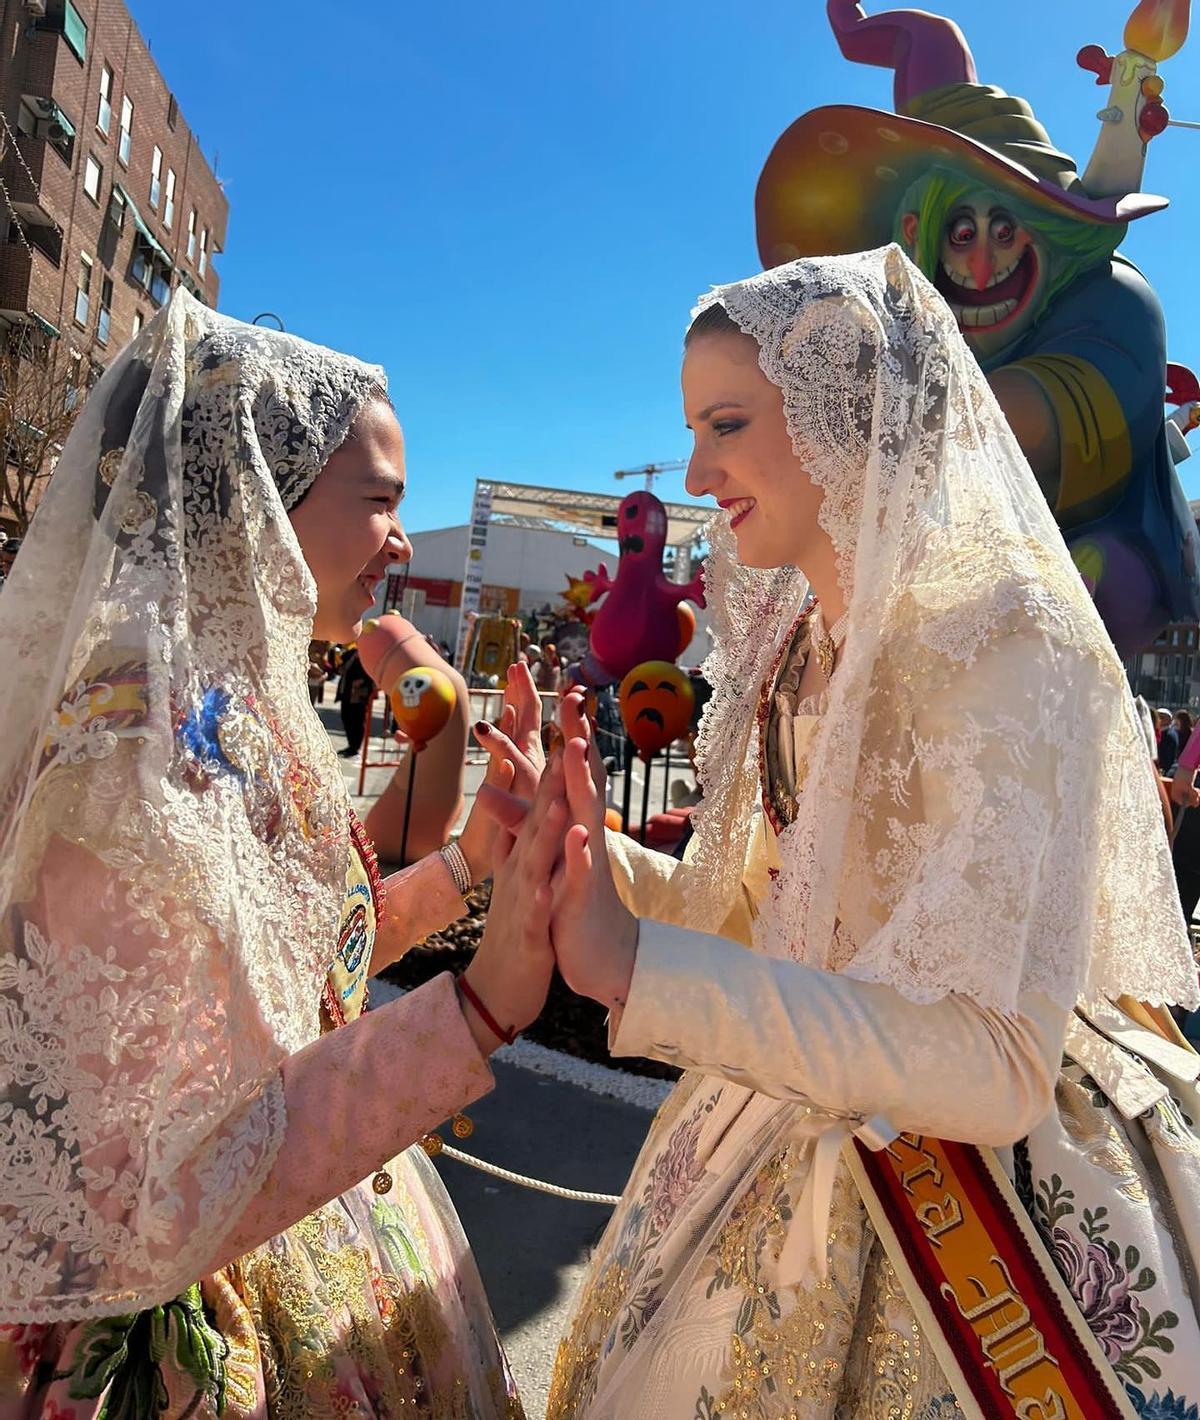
(978, 814)
(173, 825)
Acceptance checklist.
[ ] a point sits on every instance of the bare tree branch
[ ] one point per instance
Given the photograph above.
(43, 384)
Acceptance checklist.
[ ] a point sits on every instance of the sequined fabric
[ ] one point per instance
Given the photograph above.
(370, 1307)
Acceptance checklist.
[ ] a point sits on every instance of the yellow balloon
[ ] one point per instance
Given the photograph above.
(423, 700)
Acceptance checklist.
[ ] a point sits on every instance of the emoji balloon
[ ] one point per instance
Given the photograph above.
(656, 705)
(422, 701)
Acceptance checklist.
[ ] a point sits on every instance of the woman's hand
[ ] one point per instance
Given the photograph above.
(511, 970)
(593, 932)
(517, 762)
(574, 724)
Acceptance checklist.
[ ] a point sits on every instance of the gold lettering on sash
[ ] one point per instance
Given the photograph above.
(1015, 1345)
(938, 1218)
(1050, 1407)
(926, 1167)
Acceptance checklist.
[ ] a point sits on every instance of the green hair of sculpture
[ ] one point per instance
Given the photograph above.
(1073, 245)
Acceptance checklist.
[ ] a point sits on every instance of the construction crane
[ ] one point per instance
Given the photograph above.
(651, 471)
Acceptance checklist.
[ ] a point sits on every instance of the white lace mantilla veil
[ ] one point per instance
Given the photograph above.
(173, 824)
(978, 814)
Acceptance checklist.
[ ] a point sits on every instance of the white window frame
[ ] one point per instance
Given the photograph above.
(202, 263)
(169, 199)
(139, 320)
(125, 139)
(83, 287)
(90, 164)
(156, 178)
(191, 241)
(104, 314)
(104, 111)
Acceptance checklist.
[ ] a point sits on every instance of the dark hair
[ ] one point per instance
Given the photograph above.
(1185, 720)
(712, 320)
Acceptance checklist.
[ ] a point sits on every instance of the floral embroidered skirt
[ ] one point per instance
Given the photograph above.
(370, 1307)
(685, 1314)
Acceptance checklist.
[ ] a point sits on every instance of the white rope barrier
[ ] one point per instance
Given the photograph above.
(537, 1184)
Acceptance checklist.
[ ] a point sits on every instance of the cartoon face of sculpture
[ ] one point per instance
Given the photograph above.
(991, 269)
(412, 686)
(641, 526)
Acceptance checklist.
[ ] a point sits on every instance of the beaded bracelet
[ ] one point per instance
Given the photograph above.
(458, 867)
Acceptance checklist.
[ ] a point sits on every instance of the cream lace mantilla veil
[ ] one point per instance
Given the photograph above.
(173, 825)
(978, 814)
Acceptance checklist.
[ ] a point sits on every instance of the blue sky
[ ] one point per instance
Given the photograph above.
(513, 208)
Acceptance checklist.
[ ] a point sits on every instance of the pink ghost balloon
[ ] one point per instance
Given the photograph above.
(638, 621)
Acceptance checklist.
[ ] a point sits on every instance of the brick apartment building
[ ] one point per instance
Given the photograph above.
(110, 189)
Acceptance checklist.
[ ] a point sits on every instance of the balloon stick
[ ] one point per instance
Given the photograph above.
(627, 787)
(408, 803)
(666, 778)
(647, 763)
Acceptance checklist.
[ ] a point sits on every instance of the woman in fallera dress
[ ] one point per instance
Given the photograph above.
(927, 869)
(212, 1198)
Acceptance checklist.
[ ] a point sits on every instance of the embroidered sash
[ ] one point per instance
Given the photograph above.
(1008, 1334)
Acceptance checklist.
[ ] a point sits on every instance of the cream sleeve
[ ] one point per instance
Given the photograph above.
(656, 886)
(953, 1069)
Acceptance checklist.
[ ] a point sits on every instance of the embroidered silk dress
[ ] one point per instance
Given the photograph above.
(698, 1302)
(193, 1102)
(370, 1306)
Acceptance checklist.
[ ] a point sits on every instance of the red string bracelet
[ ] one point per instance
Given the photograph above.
(507, 1036)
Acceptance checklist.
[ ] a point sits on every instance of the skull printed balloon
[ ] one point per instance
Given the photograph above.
(423, 700)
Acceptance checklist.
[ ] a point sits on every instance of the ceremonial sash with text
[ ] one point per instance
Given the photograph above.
(993, 1306)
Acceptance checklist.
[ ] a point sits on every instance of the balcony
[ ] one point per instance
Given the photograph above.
(16, 266)
(29, 184)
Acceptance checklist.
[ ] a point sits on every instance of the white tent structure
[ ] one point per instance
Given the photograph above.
(562, 510)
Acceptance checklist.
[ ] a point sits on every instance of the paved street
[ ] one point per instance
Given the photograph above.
(532, 1249)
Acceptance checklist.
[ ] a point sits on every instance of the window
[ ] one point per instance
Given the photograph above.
(74, 31)
(93, 175)
(116, 208)
(160, 285)
(169, 204)
(61, 17)
(82, 289)
(172, 113)
(191, 245)
(125, 141)
(156, 178)
(202, 264)
(1175, 637)
(104, 116)
(139, 320)
(104, 318)
(140, 268)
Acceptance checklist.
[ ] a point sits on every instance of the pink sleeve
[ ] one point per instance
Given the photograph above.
(359, 1096)
(1190, 758)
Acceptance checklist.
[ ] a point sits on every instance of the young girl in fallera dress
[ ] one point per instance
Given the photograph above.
(212, 1199)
